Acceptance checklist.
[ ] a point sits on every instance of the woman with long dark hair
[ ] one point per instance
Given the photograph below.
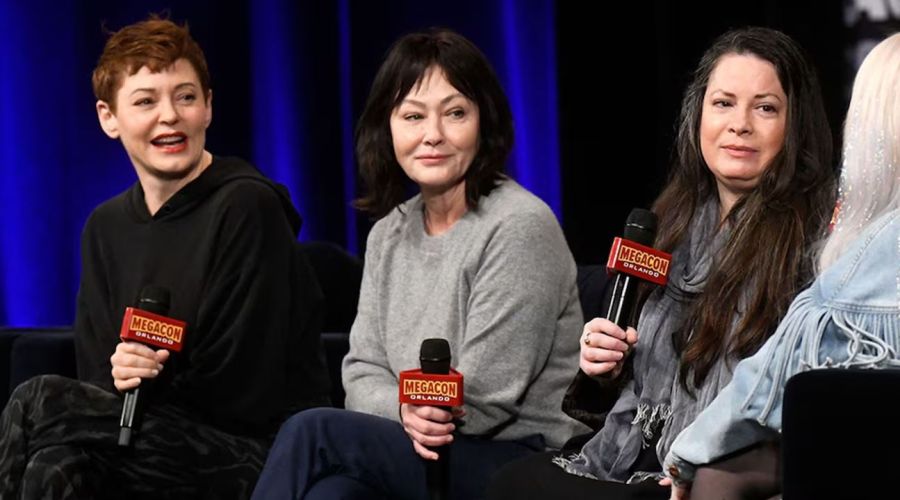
(849, 317)
(750, 190)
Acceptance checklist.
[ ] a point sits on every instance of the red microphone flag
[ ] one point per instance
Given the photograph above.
(640, 261)
(152, 329)
(431, 388)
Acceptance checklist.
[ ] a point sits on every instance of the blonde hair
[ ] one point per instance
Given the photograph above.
(870, 175)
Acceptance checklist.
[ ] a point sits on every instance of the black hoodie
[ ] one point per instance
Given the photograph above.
(225, 247)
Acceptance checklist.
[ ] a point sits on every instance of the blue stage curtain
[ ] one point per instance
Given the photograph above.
(289, 79)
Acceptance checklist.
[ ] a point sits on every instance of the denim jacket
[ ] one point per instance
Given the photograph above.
(849, 317)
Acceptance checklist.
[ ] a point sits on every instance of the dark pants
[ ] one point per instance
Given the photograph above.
(751, 474)
(538, 478)
(58, 440)
(338, 454)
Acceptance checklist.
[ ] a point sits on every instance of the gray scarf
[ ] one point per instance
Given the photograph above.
(653, 403)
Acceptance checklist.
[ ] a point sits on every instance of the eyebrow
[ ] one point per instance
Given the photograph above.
(153, 90)
(757, 96)
(443, 101)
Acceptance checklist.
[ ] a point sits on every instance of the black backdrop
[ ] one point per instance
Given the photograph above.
(618, 124)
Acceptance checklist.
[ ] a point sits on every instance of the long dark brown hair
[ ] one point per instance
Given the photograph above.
(406, 63)
(774, 226)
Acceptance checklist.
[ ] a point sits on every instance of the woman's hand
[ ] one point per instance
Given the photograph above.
(604, 347)
(429, 426)
(133, 361)
(678, 492)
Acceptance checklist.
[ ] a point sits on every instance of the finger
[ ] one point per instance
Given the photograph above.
(424, 452)
(594, 369)
(127, 384)
(602, 355)
(137, 349)
(665, 481)
(604, 341)
(631, 336)
(127, 372)
(432, 413)
(426, 440)
(416, 416)
(134, 361)
(137, 361)
(458, 411)
(429, 428)
(405, 409)
(603, 325)
(162, 355)
(136, 355)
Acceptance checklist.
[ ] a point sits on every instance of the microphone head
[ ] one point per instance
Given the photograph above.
(434, 356)
(640, 227)
(155, 299)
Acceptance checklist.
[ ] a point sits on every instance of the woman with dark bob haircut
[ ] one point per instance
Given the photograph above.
(473, 258)
(751, 190)
(466, 70)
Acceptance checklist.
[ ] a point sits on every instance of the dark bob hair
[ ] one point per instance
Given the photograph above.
(406, 64)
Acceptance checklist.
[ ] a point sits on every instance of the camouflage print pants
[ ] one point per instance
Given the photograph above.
(58, 440)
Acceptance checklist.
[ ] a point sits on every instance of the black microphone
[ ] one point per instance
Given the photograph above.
(156, 300)
(640, 228)
(434, 358)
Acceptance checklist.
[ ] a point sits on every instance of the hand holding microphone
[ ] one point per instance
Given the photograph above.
(143, 327)
(606, 342)
(430, 398)
(604, 347)
(132, 362)
(429, 427)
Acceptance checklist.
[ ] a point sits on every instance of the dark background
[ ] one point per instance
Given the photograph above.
(618, 128)
(595, 92)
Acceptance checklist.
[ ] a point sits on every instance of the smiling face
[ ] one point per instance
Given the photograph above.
(742, 125)
(161, 119)
(435, 133)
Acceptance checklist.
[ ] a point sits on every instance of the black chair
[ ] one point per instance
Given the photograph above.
(44, 351)
(26, 352)
(339, 274)
(592, 291)
(840, 435)
(8, 337)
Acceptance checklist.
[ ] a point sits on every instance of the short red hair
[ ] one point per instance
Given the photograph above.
(155, 43)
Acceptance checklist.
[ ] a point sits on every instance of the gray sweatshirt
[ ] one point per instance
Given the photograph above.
(500, 287)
